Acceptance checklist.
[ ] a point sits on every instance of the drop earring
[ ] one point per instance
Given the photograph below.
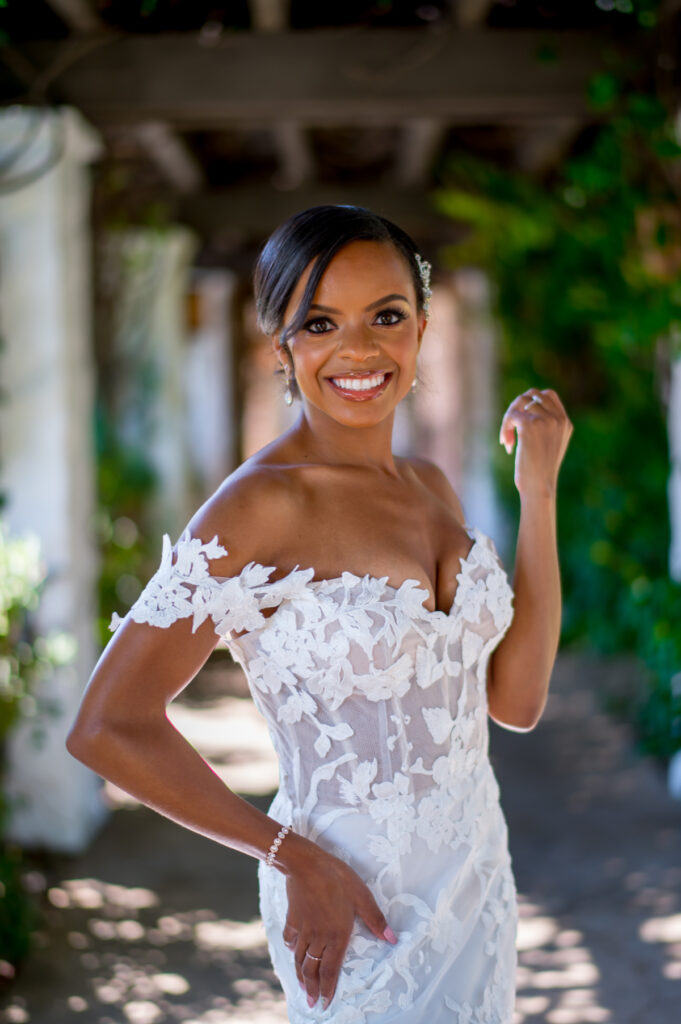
(288, 394)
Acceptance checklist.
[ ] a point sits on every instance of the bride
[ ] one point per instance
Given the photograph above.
(377, 629)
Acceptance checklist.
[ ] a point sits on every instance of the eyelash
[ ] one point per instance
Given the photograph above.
(322, 319)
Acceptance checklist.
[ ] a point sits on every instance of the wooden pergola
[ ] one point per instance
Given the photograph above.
(236, 121)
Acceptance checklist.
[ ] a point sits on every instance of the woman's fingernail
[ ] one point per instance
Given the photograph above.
(301, 985)
(325, 1003)
(311, 1001)
(389, 934)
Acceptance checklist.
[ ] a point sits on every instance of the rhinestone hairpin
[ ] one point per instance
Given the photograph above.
(424, 272)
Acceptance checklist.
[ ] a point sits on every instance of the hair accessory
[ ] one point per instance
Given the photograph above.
(424, 272)
(272, 852)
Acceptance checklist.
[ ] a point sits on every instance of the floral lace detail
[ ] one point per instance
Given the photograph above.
(377, 708)
(183, 588)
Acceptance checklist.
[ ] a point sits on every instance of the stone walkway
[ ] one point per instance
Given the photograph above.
(155, 925)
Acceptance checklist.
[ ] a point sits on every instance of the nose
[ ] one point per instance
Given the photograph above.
(359, 343)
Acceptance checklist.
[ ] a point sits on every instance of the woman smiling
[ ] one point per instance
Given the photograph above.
(385, 878)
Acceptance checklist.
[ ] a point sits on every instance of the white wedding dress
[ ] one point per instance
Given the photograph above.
(377, 709)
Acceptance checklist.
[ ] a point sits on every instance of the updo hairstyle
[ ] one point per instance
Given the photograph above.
(318, 234)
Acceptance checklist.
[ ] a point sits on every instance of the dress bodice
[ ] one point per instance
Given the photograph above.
(352, 674)
(377, 708)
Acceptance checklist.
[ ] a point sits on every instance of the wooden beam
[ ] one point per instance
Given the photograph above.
(420, 140)
(269, 15)
(472, 12)
(161, 144)
(172, 156)
(336, 76)
(539, 147)
(297, 164)
(78, 15)
(254, 211)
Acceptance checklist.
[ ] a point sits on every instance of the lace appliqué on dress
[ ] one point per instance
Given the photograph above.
(377, 708)
(183, 588)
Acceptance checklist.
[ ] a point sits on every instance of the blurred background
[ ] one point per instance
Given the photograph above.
(532, 148)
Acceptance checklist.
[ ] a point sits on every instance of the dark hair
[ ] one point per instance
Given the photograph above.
(318, 234)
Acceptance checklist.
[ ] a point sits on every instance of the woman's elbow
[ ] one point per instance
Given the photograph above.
(84, 741)
(516, 722)
(516, 716)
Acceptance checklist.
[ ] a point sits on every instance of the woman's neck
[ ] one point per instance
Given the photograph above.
(322, 439)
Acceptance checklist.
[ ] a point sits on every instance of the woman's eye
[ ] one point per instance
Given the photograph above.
(396, 315)
(313, 323)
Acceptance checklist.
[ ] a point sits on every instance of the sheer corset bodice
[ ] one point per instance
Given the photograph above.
(377, 708)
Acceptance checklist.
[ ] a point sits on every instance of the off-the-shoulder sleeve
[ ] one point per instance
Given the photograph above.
(183, 588)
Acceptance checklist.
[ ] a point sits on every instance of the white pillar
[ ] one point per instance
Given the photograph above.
(438, 400)
(47, 460)
(674, 483)
(482, 420)
(209, 383)
(150, 338)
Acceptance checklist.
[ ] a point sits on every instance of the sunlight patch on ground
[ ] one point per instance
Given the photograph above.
(665, 931)
(230, 934)
(129, 948)
(232, 736)
(91, 894)
(557, 977)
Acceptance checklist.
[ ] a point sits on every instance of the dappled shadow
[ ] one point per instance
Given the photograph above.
(596, 849)
(155, 925)
(182, 944)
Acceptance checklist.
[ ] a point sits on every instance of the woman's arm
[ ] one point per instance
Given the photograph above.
(122, 732)
(520, 667)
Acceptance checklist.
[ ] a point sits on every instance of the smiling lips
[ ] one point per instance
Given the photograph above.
(359, 387)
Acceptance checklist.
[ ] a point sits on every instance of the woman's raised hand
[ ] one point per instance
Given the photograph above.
(323, 900)
(541, 423)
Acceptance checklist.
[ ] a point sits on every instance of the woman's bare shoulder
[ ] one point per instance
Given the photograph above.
(250, 515)
(435, 481)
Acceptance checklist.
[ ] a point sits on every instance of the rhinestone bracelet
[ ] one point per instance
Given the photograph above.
(272, 853)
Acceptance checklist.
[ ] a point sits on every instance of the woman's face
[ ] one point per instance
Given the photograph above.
(355, 357)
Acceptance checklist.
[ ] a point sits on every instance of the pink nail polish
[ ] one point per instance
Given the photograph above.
(311, 1001)
(389, 934)
(325, 1003)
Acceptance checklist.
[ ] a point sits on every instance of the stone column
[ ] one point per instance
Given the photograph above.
(674, 501)
(209, 378)
(438, 400)
(149, 341)
(47, 458)
(480, 414)
(674, 483)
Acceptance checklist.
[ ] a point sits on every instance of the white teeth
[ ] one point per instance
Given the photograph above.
(359, 383)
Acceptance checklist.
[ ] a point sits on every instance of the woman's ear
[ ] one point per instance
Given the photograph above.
(422, 323)
(279, 350)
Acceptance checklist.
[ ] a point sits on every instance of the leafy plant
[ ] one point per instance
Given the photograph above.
(26, 659)
(126, 487)
(587, 270)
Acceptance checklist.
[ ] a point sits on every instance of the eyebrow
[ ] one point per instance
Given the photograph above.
(372, 305)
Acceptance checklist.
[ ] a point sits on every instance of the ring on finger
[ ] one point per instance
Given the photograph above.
(312, 956)
(533, 399)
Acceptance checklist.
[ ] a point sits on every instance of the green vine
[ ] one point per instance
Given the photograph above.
(587, 270)
(26, 659)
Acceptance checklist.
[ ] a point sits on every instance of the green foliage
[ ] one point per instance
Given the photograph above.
(18, 913)
(588, 292)
(125, 485)
(25, 660)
